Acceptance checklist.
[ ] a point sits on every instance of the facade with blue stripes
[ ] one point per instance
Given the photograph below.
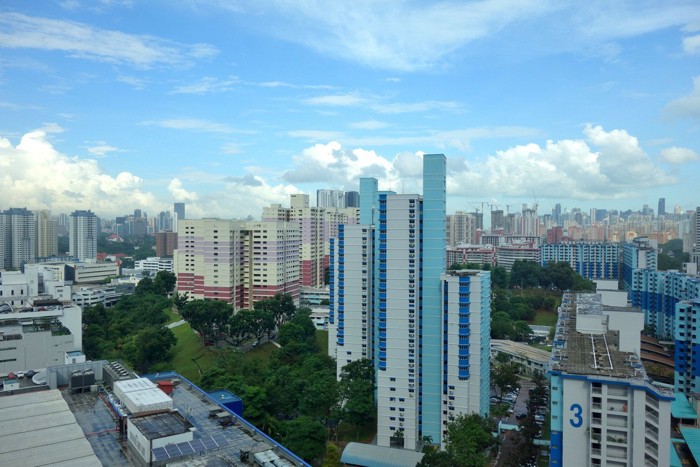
(687, 347)
(640, 253)
(389, 303)
(593, 260)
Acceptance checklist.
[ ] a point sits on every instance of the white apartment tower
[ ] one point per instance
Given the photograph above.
(17, 238)
(82, 235)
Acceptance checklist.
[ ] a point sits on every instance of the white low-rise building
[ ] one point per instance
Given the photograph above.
(154, 264)
(39, 335)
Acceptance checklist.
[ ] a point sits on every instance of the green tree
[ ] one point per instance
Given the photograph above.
(281, 307)
(504, 377)
(357, 392)
(500, 278)
(149, 346)
(332, 457)
(260, 322)
(525, 274)
(468, 436)
(165, 282)
(304, 436)
(207, 317)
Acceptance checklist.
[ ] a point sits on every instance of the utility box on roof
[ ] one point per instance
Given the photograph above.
(142, 395)
(228, 400)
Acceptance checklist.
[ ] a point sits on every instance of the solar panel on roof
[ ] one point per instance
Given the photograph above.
(220, 439)
(172, 450)
(209, 443)
(185, 448)
(197, 445)
(159, 454)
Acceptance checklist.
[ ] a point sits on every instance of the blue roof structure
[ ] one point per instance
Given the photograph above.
(692, 439)
(681, 408)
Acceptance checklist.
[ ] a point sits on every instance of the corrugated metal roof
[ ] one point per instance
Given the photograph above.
(369, 455)
(681, 408)
(692, 439)
(39, 429)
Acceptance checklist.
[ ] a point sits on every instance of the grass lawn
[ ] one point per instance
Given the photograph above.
(189, 347)
(261, 354)
(322, 339)
(545, 318)
(172, 316)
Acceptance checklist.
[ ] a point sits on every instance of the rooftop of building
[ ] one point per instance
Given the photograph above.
(596, 355)
(84, 425)
(518, 348)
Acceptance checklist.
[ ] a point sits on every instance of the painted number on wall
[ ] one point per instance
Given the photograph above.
(577, 419)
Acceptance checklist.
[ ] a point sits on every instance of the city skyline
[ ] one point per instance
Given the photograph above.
(230, 108)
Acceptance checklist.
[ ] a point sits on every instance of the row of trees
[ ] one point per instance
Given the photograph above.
(215, 320)
(530, 274)
(134, 329)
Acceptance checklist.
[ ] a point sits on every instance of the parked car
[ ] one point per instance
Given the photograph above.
(521, 415)
(30, 373)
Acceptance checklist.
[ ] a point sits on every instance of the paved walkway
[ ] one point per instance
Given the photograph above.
(176, 324)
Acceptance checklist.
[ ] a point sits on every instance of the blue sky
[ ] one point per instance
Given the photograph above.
(229, 106)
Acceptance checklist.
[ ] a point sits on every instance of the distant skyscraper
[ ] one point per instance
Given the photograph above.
(352, 199)
(179, 214)
(83, 235)
(330, 198)
(392, 302)
(17, 238)
(46, 238)
(166, 243)
(661, 211)
(556, 213)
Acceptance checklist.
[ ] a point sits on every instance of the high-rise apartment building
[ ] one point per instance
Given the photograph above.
(236, 261)
(593, 260)
(317, 227)
(461, 228)
(17, 238)
(640, 253)
(82, 235)
(426, 332)
(604, 410)
(46, 237)
(330, 198)
(661, 211)
(166, 243)
(270, 261)
(687, 347)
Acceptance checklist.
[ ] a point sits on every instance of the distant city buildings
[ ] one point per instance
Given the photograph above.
(592, 260)
(17, 238)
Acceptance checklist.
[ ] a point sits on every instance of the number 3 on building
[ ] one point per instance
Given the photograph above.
(577, 419)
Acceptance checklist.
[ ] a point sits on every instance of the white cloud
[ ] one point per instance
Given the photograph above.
(134, 81)
(193, 124)
(19, 31)
(341, 100)
(231, 148)
(101, 150)
(207, 85)
(691, 45)
(676, 155)
(180, 194)
(687, 106)
(36, 175)
(408, 35)
(604, 165)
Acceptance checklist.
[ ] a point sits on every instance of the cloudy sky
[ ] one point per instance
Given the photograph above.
(231, 105)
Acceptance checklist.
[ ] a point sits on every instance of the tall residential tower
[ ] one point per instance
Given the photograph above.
(427, 332)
